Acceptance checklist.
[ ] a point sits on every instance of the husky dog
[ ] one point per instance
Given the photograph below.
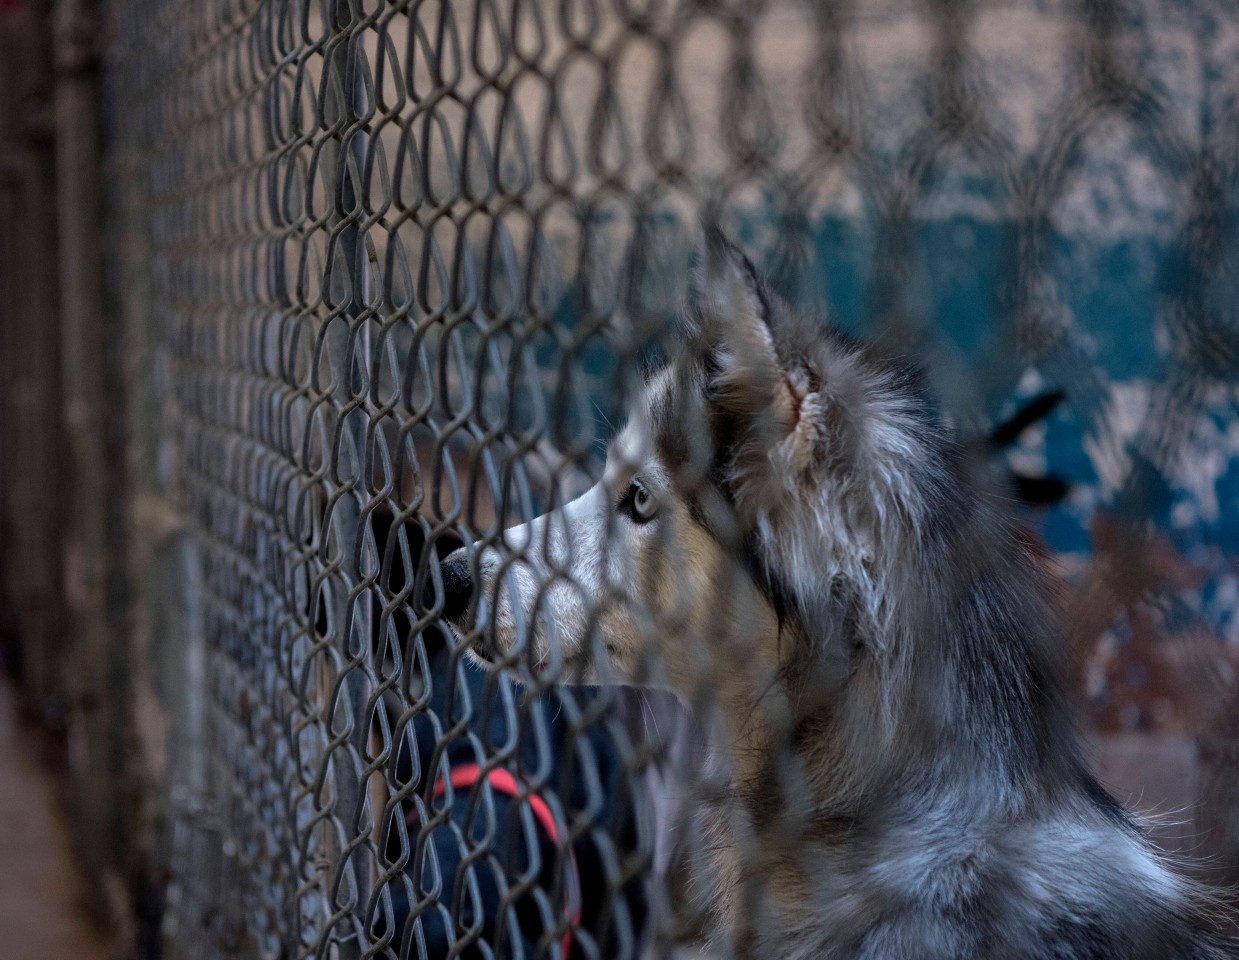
(785, 531)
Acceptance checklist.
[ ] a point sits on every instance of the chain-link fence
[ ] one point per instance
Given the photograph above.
(384, 280)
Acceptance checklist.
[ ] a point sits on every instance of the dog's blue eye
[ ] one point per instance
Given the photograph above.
(640, 503)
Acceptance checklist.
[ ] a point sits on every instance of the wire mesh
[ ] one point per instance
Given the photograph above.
(402, 267)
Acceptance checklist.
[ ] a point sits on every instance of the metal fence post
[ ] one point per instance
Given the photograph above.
(31, 506)
(96, 663)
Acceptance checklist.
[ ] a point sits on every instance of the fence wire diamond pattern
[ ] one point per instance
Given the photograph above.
(399, 263)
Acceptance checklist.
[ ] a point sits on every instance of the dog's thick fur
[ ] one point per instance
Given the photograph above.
(785, 532)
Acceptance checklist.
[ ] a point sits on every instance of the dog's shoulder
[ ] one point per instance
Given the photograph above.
(1079, 883)
(1085, 884)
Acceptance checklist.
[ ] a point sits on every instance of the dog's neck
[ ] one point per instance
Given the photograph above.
(822, 744)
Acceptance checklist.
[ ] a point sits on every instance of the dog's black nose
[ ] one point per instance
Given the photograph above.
(457, 585)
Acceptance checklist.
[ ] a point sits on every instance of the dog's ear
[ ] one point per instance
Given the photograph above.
(733, 330)
(733, 311)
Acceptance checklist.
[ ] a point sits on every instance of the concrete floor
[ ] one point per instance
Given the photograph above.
(40, 889)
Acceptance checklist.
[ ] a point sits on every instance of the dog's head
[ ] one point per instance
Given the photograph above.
(765, 491)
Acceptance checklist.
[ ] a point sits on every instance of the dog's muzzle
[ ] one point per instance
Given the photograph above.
(457, 587)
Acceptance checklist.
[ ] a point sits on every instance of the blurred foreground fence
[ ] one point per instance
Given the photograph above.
(346, 284)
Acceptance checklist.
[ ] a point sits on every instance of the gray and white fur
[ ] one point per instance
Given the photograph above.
(789, 539)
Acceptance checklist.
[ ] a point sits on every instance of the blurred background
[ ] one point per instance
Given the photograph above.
(297, 295)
